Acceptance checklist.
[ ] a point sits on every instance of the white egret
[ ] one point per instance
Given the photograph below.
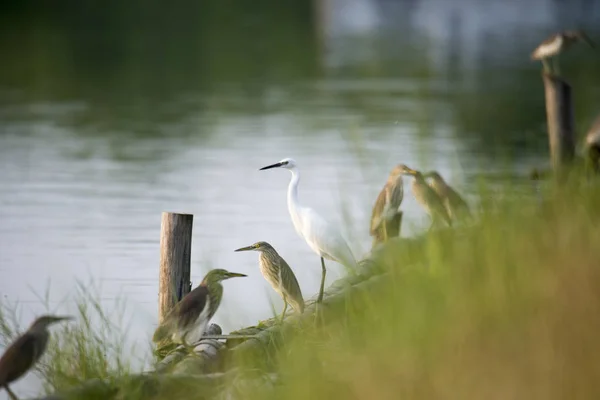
(322, 236)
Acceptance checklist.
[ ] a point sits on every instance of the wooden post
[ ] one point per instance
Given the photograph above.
(175, 257)
(559, 116)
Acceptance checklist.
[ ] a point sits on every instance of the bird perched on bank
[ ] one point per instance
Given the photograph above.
(25, 351)
(456, 206)
(427, 197)
(187, 321)
(322, 236)
(592, 144)
(279, 274)
(386, 216)
(557, 44)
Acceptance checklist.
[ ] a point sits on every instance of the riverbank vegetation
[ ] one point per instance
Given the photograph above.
(506, 308)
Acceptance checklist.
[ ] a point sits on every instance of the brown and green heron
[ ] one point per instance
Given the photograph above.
(188, 320)
(279, 274)
(386, 216)
(557, 44)
(427, 197)
(25, 351)
(456, 206)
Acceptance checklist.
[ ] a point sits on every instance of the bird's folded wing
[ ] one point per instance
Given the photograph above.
(395, 195)
(18, 358)
(192, 305)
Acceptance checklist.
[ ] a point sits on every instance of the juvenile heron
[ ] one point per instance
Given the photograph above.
(557, 44)
(386, 216)
(456, 206)
(25, 351)
(427, 197)
(279, 274)
(323, 237)
(187, 321)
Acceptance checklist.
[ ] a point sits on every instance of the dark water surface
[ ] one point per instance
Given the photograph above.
(109, 116)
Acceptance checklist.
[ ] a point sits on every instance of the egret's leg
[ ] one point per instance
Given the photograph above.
(11, 394)
(285, 305)
(320, 298)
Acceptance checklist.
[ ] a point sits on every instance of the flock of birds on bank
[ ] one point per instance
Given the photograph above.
(187, 321)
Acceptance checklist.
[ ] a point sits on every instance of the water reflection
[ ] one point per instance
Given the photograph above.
(105, 124)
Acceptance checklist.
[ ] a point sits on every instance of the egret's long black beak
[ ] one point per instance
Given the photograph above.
(245, 248)
(271, 166)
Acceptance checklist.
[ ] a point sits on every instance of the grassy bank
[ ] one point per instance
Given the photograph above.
(507, 309)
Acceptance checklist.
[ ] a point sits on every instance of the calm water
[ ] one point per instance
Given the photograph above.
(105, 124)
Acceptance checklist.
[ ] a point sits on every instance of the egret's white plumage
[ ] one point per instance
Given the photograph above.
(322, 236)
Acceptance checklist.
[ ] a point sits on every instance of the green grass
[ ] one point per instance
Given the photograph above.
(90, 348)
(509, 308)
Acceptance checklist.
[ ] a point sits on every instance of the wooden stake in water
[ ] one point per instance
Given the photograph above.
(559, 116)
(175, 258)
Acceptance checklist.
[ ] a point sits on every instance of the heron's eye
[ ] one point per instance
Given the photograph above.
(285, 163)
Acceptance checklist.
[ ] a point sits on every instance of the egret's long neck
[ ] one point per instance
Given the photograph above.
(292, 195)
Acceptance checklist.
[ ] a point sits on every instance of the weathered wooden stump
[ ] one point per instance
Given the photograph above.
(175, 259)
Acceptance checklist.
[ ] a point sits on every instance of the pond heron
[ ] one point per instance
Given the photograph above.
(323, 237)
(592, 144)
(188, 319)
(427, 197)
(386, 216)
(456, 206)
(279, 274)
(557, 44)
(25, 351)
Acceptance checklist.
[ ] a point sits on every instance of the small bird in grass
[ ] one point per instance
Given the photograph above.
(279, 274)
(187, 321)
(456, 206)
(386, 216)
(323, 237)
(557, 44)
(427, 197)
(25, 351)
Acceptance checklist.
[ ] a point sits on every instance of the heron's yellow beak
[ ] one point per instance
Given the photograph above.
(248, 248)
(235, 275)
